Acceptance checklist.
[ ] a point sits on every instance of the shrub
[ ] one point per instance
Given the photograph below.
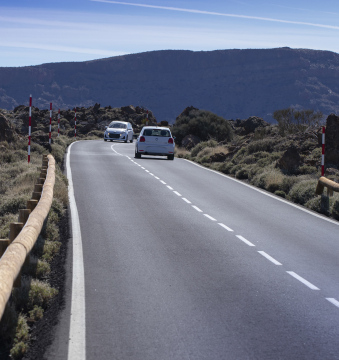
(242, 174)
(266, 145)
(196, 150)
(40, 294)
(203, 124)
(280, 193)
(303, 191)
(292, 121)
(335, 209)
(13, 205)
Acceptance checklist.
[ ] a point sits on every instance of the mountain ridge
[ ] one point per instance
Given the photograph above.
(235, 83)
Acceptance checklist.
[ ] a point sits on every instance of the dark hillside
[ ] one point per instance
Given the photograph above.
(231, 83)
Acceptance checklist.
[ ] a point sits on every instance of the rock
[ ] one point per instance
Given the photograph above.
(189, 141)
(332, 140)
(290, 161)
(7, 131)
(244, 127)
(128, 109)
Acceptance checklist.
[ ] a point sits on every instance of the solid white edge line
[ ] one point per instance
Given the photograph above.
(170, 187)
(333, 301)
(225, 227)
(267, 194)
(270, 258)
(210, 217)
(244, 240)
(196, 208)
(188, 202)
(302, 280)
(176, 193)
(77, 331)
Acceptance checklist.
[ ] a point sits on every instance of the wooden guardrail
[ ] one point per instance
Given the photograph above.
(331, 186)
(25, 232)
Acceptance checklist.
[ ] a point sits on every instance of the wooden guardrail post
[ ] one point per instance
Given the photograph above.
(31, 204)
(14, 230)
(4, 243)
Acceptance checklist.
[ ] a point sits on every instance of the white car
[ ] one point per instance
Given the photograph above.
(119, 130)
(154, 140)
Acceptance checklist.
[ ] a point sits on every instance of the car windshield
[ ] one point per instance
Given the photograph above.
(117, 126)
(157, 132)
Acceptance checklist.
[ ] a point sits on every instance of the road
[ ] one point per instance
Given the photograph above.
(181, 262)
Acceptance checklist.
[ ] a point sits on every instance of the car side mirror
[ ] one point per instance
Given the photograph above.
(106, 127)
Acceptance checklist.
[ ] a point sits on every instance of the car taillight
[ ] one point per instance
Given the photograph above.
(170, 141)
(142, 139)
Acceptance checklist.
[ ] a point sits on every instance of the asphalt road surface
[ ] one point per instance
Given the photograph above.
(181, 262)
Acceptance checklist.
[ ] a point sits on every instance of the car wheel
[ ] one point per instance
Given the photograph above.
(137, 154)
(131, 140)
(170, 157)
(105, 139)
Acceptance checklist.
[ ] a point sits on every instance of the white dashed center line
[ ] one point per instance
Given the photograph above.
(225, 227)
(268, 257)
(210, 217)
(333, 301)
(244, 240)
(301, 279)
(247, 242)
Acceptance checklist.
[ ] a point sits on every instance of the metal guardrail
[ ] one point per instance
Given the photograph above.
(331, 186)
(24, 234)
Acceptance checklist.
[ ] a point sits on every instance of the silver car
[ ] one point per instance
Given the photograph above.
(119, 130)
(155, 140)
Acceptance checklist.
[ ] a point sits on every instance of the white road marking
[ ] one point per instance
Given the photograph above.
(77, 331)
(210, 217)
(188, 202)
(163, 182)
(176, 193)
(244, 240)
(156, 178)
(147, 171)
(270, 258)
(225, 227)
(304, 281)
(196, 208)
(151, 174)
(333, 301)
(170, 187)
(267, 193)
(143, 168)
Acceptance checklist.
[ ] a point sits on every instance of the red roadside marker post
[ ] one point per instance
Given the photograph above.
(323, 153)
(50, 123)
(58, 122)
(29, 128)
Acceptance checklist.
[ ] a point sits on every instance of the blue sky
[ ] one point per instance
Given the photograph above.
(33, 32)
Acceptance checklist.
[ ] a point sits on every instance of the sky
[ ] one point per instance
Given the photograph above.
(34, 32)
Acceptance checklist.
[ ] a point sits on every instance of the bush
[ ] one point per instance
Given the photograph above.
(266, 145)
(303, 191)
(280, 193)
(203, 124)
(202, 145)
(335, 209)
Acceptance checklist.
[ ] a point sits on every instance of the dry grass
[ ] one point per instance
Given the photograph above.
(181, 152)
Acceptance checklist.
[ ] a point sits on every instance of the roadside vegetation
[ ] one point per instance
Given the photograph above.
(17, 178)
(283, 159)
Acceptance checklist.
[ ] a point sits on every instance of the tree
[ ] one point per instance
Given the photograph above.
(293, 121)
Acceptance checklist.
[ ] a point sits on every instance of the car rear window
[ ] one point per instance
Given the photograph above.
(117, 126)
(157, 132)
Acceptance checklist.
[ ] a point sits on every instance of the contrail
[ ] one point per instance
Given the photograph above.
(220, 14)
